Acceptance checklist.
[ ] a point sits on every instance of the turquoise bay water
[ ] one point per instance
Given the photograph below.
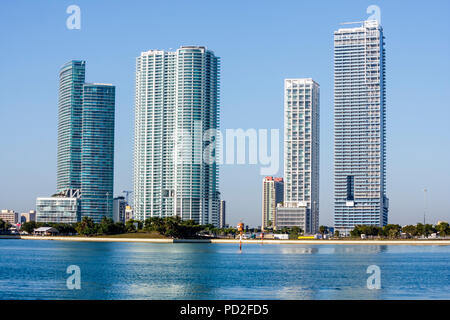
(36, 269)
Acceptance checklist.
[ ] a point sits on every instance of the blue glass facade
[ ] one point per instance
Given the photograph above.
(86, 140)
(97, 155)
(71, 79)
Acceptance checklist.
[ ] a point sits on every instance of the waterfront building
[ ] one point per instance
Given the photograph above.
(273, 191)
(301, 152)
(360, 127)
(71, 80)
(176, 106)
(222, 214)
(97, 158)
(129, 213)
(63, 207)
(86, 140)
(293, 214)
(119, 205)
(9, 216)
(28, 216)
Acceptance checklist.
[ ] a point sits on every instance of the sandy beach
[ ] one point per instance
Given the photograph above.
(219, 241)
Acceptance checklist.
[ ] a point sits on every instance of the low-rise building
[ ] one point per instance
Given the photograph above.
(119, 206)
(28, 216)
(45, 231)
(63, 207)
(129, 214)
(9, 216)
(293, 214)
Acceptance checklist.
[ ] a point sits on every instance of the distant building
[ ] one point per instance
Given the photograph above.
(272, 196)
(63, 207)
(45, 231)
(129, 213)
(119, 206)
(222, 214)
(10, 216)
(292, 214)
(28, 216)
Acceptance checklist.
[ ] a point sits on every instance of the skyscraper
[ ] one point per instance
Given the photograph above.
(97, 150)
(301, 154)
(273, 189)
(177, 102)
(222, 214)
(86, 140)
(71, 80)
(360, 127)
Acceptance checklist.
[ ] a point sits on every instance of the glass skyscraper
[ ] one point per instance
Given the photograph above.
(86, 140)
(97, 151)
(71, 80)
(177, 102)
(301, 154)
(360, 127)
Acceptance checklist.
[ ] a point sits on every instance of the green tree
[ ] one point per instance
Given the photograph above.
(4, 225)
(429, 229)
(86, 227)
(323, 230)
(392, 230)
(154, 224)
(130, 226)
(106, 226)
(420, 229)
(28, 226)
(443, 229)
(336, 233)
(294, 232)
(410, 230)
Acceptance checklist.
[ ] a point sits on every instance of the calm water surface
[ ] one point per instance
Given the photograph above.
(36, 269)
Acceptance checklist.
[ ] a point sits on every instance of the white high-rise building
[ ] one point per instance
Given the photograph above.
(301, 154)
(177, 102)
(360, 127)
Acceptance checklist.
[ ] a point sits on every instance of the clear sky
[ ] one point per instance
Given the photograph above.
(260, 43)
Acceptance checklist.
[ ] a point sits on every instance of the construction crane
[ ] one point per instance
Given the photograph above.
(127, 192)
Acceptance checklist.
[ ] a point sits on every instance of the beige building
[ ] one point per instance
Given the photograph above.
(272, 196)
(9, 216)
(28, 216)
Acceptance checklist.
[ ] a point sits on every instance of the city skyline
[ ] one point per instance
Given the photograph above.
(407, 179)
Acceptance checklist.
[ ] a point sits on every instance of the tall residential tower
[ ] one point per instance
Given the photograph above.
(360, 127)
(177, 103)
(71, 80)
(301, 155)
(97, 150)
(85, 160)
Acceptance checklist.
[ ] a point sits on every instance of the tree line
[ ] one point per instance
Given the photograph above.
(169, 227)
(395, 230)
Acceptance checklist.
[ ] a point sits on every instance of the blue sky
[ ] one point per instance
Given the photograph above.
(260, 43)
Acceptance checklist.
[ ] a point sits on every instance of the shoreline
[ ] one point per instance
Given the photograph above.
(219, 241)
